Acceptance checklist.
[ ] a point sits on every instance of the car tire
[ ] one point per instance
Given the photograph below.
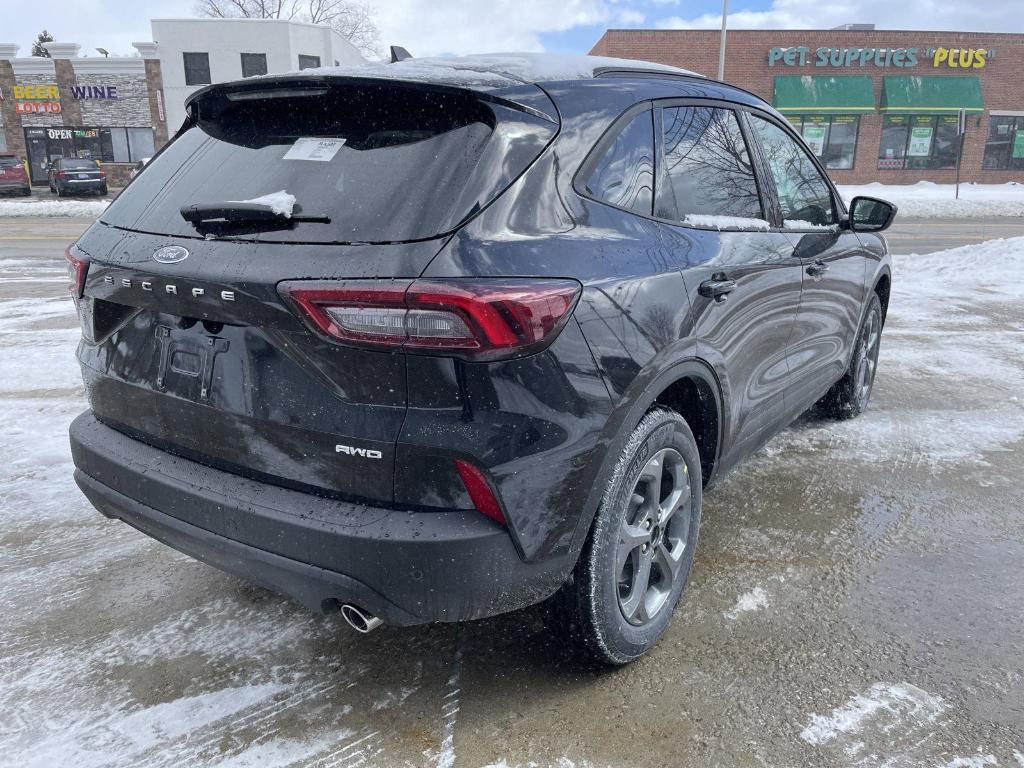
(850, 395)
(103, 190)
(27, 192)
(625, 587)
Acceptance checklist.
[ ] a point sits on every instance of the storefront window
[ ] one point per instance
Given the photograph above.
(107, 145)
(1004, 146)
(927, 142)
(119, 146)
(140, 143)
(832, 138)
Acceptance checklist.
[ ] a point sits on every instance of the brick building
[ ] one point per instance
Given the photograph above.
(874, 105)
(120, 110)
(108, 109)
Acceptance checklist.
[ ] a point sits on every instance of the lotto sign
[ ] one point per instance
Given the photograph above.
(37, 107)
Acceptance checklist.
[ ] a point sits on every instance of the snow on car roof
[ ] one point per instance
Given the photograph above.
(496, 70)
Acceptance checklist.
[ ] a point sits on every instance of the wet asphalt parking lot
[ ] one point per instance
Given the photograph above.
(857, 597)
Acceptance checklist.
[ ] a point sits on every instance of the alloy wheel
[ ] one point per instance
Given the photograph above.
(653, 537)
(867, 358)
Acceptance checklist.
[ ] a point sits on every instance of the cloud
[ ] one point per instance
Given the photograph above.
(993, 16)
(433, 27)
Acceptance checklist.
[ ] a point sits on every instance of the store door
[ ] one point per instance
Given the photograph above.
(35, 143)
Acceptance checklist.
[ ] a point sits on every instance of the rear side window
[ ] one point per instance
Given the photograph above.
(624, 176)
(707, 176)
(384, 163)
(804, 195)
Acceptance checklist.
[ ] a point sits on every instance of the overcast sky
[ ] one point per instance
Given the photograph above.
(430, 27)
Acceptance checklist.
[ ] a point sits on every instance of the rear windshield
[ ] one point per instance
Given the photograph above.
(383, 163)
(74, 164)
(9, 162)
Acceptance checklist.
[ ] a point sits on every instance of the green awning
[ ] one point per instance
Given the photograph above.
(931, 94)
(827, 94)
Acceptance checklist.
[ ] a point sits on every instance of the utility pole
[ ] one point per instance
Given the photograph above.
(961, 131)
(721, 43)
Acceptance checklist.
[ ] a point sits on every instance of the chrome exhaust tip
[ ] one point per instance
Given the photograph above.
(360, 620)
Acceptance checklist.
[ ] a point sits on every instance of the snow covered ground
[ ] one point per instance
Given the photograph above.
(928, 200)
(856, 600)
(84, 207)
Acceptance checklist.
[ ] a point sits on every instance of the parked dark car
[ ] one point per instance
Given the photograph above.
(424, 345)
(13, 176)
(74, 175)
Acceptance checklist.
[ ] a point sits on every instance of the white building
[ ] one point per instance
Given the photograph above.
(197, 52)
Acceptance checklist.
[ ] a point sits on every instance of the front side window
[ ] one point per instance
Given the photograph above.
(707, 176)
(254, 64)
(197, 68)
(804, 195)
(624, 176)
(308, 62)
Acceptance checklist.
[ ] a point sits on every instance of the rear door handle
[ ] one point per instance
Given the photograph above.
(718, 288)
(817, 269)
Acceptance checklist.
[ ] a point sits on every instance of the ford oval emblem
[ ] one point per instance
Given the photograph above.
(170, 254)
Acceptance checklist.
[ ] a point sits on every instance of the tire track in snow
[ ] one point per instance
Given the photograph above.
(450, 705)
(187, 752)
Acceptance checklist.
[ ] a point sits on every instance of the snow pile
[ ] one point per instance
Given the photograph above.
(705, 221)
(753, 600)
(497, 70)
(85, 208)
(282, 203)
(929, 200)
(954, 321)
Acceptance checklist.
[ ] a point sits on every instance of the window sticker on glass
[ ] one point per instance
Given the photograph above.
(322, 150)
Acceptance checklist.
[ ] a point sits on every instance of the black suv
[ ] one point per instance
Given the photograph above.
(435, 341)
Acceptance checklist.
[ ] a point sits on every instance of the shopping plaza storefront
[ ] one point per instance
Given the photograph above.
(108, 109)
(873, 105)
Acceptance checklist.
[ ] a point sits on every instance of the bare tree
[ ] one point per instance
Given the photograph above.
(352, 19)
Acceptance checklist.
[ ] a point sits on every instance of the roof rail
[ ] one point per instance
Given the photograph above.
(602, 71)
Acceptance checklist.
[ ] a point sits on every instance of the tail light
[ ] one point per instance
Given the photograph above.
(481, 319)
(480, 492)
(62, 174)
(77, 268)
(103, 175)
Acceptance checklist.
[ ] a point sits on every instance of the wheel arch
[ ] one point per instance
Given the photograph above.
(882, 287)
(686, 387)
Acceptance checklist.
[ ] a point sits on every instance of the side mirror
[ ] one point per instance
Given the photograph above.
(869, 214)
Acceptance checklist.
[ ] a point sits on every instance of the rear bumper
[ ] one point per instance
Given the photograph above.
(7, 185)
(406, 567)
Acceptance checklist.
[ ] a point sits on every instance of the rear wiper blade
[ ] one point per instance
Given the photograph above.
(243, 213)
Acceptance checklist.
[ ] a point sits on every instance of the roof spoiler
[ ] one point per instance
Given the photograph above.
(289, 86)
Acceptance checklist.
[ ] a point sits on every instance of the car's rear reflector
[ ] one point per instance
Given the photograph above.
(480, 318)
(480, 492)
